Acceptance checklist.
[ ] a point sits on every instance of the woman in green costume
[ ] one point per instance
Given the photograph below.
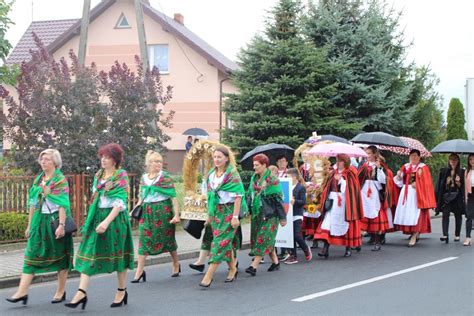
(107, 244)
(47, 250)
(160, 215)
(224, 198)
(263, 228)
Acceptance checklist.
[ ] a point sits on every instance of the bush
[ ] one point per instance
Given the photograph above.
(13, 226)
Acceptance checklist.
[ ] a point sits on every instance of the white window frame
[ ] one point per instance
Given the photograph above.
(121, 17)
(151, 57)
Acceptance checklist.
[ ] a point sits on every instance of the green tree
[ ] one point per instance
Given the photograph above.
(456, 120)
(376, 84)
(7, 74)
(60, 106)
(286, 86)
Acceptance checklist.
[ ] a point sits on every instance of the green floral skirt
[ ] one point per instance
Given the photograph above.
(44, 253)
(156, 234)
(107, 252)
(262, 235)
(222, 233)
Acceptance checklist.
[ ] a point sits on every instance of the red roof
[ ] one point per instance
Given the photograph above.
(48, 32)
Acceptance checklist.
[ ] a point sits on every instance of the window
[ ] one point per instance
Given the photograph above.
(122, 22)
(158, 55)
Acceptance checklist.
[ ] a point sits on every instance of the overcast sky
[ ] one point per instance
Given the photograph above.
(442, 31)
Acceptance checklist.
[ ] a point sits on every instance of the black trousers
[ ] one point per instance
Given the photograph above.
(457, 221)
(298, 237)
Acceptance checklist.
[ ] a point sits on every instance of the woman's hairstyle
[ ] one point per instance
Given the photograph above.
(262, 159)
(225, 151)
(469, 168)
(151, 155)
(55, 156)
(273, 169)
(113, 151)
(415, 151)
(294, 172)
(374, 150)
(344, 158)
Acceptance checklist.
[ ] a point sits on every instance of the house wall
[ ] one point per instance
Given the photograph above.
(196, 93)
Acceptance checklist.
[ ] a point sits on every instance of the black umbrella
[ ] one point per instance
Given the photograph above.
(195, 131)
(330, 137)
(459, 146)
(378, 138)
(273, 151)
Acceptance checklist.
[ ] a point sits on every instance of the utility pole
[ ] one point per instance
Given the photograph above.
(84, 30)
(144, 56)
(141, 34)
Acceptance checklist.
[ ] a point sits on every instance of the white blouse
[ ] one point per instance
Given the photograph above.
(153, 197)
(106, 202)
(224, 196)
(53, 208)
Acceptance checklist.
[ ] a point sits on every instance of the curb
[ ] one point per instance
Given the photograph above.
(9, 282)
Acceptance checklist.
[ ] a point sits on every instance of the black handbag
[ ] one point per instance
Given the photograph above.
(69, 226)
(137, 212)
(194, 228)
(268, 208)
(450, 197)
(328, 204)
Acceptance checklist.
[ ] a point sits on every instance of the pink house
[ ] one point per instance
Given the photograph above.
(198, 73)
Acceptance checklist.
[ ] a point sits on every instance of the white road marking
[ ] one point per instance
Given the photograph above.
(375, 279)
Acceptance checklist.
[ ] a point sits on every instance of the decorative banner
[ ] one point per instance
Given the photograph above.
(284, 237)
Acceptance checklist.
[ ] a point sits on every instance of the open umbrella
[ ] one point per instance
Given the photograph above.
(329, 137)
(195, 131)
(332, 149)
(378, 138)
(410, 143)
(459, 146)
(273, 151)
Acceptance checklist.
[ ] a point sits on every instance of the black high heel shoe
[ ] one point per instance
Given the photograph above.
(348, 253)
(274, 266)
(197, 267)
(174, 275)
(251, 270)
(229, 280)
(24, 298)
(124, 300)
(445, 239)
(206, 285)
(56, 301)
(82, 301)
(142, 276)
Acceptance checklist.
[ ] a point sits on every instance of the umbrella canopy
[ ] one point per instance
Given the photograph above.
(273, 151)
(459, 146)
(329, 137)
(332, 149)
(410, 143)
(378, 138)
(195, 131)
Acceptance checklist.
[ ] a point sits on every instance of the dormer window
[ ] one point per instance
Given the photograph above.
(122, 22)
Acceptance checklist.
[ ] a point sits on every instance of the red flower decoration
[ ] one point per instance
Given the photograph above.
(148, 233)
(215, 232)
(228, 218)
(224, 243)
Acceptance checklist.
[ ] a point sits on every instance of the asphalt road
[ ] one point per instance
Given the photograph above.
(366, 284)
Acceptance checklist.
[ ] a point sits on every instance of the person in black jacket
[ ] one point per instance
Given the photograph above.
(298, 200)
(450, 196)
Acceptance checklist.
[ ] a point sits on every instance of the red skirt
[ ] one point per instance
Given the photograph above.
(351, 239)
(377, 224)
(310, 225)
(423, 226)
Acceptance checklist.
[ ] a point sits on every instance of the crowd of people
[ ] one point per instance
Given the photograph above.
(370, 198)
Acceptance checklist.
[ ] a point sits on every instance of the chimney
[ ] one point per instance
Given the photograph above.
(178, 17)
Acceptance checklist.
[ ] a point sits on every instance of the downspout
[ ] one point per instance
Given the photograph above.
(220, 106)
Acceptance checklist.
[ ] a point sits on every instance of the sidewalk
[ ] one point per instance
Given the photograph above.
(11, 257)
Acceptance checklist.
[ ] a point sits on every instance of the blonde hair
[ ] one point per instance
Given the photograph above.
(273, 170)
(55, 156)
(150, 155)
